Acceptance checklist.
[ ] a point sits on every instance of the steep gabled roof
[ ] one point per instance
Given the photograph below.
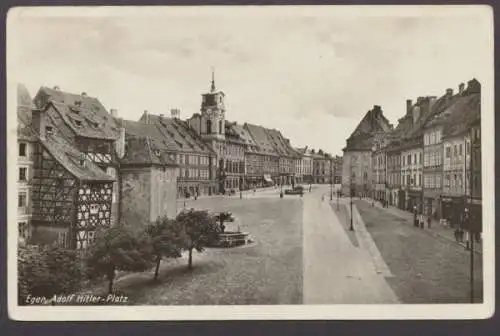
(261, 138)
(280, 144)
(70, 158)
(85, 115)
(178, 135)
(232, 134)
(373, 122)
(462, 115)
(142, 150)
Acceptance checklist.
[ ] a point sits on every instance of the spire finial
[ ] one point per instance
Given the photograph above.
(212, 88)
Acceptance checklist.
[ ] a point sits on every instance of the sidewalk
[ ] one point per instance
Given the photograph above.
(436, 230)
(336, 271)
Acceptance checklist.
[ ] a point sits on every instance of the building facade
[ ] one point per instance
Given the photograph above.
(229, 150)
(26, 142)
(75, 184)
(269, 156)
(357, 158)
(86, 125)
(148, 177)
(195, 158)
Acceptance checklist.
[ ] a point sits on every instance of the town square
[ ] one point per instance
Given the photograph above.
(278, 165)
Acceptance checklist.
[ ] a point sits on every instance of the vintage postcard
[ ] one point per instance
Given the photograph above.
(283, 162)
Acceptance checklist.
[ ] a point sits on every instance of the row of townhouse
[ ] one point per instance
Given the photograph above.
(430, 162)
(81, 166)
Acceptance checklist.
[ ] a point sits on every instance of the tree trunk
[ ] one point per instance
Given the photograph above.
(157, 269)
(111, 278)
(190, 262)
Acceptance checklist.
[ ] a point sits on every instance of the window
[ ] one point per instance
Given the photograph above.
(49, 130)
(448, 152)
(220, 126)
(426, 139)
(62, 238)
(438, 181)
(23, 230)
(419, 179)
(22, 149)
(467, 148)
(414, 158)
(420, 161)
(454, 150)
(21, 199)
(23, 173)
(209, 126)
(460, 150)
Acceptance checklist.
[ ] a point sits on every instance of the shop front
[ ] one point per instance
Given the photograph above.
(414, 199)
(452, 209)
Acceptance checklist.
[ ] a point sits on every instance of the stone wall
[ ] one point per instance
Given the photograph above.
(136, 196)
(163, 192)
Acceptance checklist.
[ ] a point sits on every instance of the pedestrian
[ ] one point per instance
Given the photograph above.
(415, 219)
(421, 221)
(457, 234)
(429, 222)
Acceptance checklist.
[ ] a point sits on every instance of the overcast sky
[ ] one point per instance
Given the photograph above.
(310, 72)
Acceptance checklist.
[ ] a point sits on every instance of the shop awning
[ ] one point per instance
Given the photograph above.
(267, 178)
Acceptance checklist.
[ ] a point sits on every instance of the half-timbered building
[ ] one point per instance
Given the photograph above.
(86, 125)
(71, 195)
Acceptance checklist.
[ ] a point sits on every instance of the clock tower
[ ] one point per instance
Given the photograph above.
(213, 114)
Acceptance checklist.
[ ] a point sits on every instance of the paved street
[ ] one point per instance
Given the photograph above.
(427, 269)
(266, 272)
(304, 252)
(335, 270)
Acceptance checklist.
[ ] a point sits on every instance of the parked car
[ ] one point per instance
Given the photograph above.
(298, 190)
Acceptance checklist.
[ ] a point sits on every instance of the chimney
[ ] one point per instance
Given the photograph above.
(146, 116)
(473, 86)
(408, 105)
(57, 88)
(120, 142)
(114, 112)
(420, 100)
(39, 123)
(461, 88)
(84, 94)
(416, 113)
(175, 113)
(449, 92)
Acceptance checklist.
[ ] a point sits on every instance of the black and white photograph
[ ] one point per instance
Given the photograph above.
(244, 162)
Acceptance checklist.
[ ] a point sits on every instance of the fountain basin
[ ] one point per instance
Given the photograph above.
(230, 239)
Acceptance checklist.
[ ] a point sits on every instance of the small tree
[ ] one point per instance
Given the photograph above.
(119, 249)
(47, 270)
(167, 239)
(199, 227)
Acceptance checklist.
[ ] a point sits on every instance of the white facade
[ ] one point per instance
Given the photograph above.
(456, 166)
(411, 168)
(24, 175)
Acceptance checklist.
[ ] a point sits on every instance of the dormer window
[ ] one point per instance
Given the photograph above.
(157, 153)
(78, 123)
(49, 130)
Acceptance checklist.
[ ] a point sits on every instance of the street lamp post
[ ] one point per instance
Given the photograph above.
(351, 227)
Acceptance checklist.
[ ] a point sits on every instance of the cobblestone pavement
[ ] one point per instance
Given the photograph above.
(436, 229)
(425, 269)
(269, 271)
